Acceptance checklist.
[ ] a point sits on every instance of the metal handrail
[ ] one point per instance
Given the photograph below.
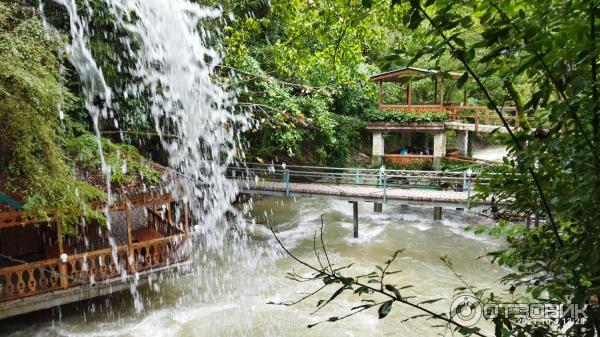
(381, 178)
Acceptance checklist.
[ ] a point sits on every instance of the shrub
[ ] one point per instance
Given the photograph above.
(376, 115)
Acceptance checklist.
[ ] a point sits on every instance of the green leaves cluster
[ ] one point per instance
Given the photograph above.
(52, 163)
(545, 56)
(32, 161)
(376, 115)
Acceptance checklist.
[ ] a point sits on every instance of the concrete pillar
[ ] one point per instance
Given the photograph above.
(462, 142)
(437, 213)
(378, 148)
(377, 207)
(405, 138)
(355, 217)
(439, 149)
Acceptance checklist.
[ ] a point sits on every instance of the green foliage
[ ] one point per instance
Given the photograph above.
(52, 164)
(127, 166)
(376, 115)
(299, 78)
(31, 159)
(549, 50)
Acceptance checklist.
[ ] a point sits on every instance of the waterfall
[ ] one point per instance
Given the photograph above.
(174, 69)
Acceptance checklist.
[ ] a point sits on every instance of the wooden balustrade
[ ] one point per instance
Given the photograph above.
(414, 108)
(86, 268)
(154, 253)
(94, 266)
(456, 112)
(29, 279)
(406, 159)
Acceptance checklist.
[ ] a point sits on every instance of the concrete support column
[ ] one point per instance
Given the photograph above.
(378, 148)
(437, 213)
(377, 207)
(439, 149)
(405, 138)
(355, 217)
(462, 142)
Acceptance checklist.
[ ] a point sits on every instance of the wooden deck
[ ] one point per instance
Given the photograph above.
(84, 292)
(146, 238)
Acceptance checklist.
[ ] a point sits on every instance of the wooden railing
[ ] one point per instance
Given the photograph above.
(481, 115)
(34, 278)
(28, 279)
(95, 266)
(406, 159)
(414, 108)
(456, 112)
(155, 253)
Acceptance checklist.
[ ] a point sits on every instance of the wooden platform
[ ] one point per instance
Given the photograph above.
(80, 293)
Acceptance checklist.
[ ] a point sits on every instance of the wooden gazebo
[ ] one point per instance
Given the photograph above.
(470, 116)
(455, 110)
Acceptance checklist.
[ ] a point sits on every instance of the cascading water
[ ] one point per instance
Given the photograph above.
(174, 71)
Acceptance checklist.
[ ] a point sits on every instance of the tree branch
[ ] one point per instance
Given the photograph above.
(340, 278)
(504, 122)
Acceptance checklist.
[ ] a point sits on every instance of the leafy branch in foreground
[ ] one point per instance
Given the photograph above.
(372, 288)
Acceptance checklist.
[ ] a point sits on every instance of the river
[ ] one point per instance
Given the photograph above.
(230, 299)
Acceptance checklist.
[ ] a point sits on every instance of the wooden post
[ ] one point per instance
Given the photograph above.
(186, 220)
(409, 93)
(442, 92)
(64, 279)
(167, 229)
(355, 217)
(486, 117)
(465, 97)
(377, 207)
(437, 213)
(380, 94)
(131, 254)
(435, 90)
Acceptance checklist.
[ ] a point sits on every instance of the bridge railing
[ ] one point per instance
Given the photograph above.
(382, 178)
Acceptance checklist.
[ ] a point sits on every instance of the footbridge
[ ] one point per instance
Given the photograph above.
(440, 189)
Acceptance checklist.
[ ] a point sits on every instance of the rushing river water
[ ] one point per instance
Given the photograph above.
(232, 301)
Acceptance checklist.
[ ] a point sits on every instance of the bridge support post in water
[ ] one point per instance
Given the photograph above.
(439, 149)
(462, 142)
(437, 213)
(377, 207)
(378, 148)
(355, 217)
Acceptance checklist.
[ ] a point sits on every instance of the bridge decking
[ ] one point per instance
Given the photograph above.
(358, 192)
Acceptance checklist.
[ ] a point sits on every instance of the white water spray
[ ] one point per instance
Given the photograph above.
(174, 70)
